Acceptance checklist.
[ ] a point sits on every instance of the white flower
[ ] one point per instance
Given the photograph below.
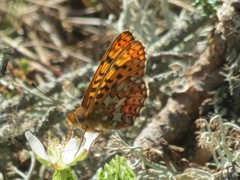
(61, 155)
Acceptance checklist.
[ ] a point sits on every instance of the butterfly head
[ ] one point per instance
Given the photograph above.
(76, 119)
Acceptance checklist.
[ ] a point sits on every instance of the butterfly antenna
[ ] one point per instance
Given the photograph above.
(56, 102)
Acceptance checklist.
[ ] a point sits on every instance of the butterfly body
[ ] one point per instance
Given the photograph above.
(117, 91)
(79, 120)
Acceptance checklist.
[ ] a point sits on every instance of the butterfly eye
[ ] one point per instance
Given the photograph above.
(79, 119)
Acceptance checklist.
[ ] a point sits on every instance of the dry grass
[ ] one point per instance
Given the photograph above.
(58, 44)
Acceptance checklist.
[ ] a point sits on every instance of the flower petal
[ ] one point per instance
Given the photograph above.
(37, 148)
(71, 150)
(90, 139)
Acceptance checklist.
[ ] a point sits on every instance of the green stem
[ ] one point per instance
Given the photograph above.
(60, 175)
(63, 174)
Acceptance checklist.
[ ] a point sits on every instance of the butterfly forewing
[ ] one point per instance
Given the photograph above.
(113, 51)
(129, 63)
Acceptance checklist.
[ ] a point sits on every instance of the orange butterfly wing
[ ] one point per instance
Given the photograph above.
(117, 91)
(113, 51)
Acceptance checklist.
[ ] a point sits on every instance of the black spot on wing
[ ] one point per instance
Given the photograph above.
(119, 76)
(109, 60)
(108, 81)
(99, 96)
(106, 88)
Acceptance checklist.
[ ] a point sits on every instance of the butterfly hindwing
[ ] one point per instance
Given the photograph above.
(123, 104)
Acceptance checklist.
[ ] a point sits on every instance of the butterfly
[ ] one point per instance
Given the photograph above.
(117, 90)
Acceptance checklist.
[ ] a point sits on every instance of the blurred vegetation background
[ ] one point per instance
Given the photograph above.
(189, 126)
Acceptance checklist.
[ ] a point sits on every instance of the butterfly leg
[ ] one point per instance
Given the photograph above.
(81, 141)
(69, 133)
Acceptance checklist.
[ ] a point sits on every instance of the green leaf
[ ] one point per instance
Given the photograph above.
(63, 175)
(24, 64)
(117, 169)
(207, 6)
